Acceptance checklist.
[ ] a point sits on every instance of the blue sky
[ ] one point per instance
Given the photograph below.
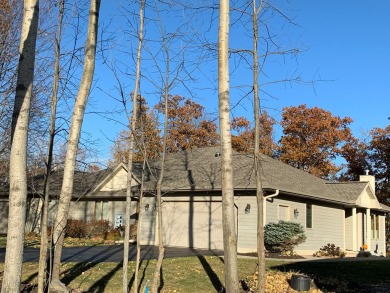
(346, 49)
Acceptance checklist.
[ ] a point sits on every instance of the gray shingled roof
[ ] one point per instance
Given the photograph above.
(83, 182)
(199, 169)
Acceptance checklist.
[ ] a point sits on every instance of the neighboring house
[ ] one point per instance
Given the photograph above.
(346, 214)
(85, 205)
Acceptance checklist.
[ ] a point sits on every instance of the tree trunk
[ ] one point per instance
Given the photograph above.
(18, 157)
(228, 218)
(259, 188)
(44, 215)
(156, 275)
(132, 121)
(140, 212)
(74, 135)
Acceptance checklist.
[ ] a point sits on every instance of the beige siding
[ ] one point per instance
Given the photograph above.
(118, 182)
(81, 210)
(328, 222)
(3, 215)
(247, 224)
(148, 222)
(273, 210)
(33, 214)
(193, 224)
(348, 229)
(85, 210)
(328, 227)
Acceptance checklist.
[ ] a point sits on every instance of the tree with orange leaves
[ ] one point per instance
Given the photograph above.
(148, 143)
(313, 137)
(379, 156)
(187, 126)
(243, 141)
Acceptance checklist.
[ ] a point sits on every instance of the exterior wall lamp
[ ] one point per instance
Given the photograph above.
(248, 209)
(296, 213)
(146, 207)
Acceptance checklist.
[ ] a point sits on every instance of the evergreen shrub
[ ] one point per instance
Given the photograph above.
(283, 236)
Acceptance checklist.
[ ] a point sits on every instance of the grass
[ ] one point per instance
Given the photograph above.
(206, 274)
(188, 274)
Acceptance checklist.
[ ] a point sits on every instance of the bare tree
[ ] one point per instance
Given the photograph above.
(18, 157)
(132, 123)
(259, 188)
(228, 218)
(49, 160)
(74, 135)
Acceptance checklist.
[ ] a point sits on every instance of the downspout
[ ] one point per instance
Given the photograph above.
(265, 204)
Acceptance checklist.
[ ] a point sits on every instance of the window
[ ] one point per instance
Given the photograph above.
(309, 215)
(374, 226)
(284, 213)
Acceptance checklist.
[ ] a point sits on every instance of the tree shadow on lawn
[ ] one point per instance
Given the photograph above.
(217, 284)
(343, 275)
(215, 281)
(100, 285)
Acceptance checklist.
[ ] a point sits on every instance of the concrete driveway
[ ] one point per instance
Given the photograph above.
(112, 253)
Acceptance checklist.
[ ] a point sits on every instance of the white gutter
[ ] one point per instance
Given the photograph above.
(265, 204)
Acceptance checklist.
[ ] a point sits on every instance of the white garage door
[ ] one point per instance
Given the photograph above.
(193, 224)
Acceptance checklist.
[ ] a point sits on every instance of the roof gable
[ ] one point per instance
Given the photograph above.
(368, 199)
(115, 181)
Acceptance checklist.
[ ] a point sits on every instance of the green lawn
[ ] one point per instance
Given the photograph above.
(189, 274)
(206, 274)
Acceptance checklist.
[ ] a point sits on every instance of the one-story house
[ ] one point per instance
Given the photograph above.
(346, 214)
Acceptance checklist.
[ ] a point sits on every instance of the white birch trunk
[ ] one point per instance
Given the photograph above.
(74, 135)
(18, 156)
(228, 218)
(131, 151)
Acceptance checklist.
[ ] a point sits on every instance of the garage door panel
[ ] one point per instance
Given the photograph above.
(193, 224)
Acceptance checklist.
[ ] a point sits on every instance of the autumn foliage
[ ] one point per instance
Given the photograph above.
(379, 156)
(147, 137)
(313, 137)
(187, 126)
(244, 139)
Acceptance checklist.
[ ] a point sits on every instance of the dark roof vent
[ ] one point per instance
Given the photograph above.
(217, 154)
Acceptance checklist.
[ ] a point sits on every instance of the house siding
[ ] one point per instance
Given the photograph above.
(85, 210)
(33, 214)
(148, 222)
(328, 227)
(118, 182)
(3, 216)
(247, 224)
(327, 220)
(361, 230)
(348, 229)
